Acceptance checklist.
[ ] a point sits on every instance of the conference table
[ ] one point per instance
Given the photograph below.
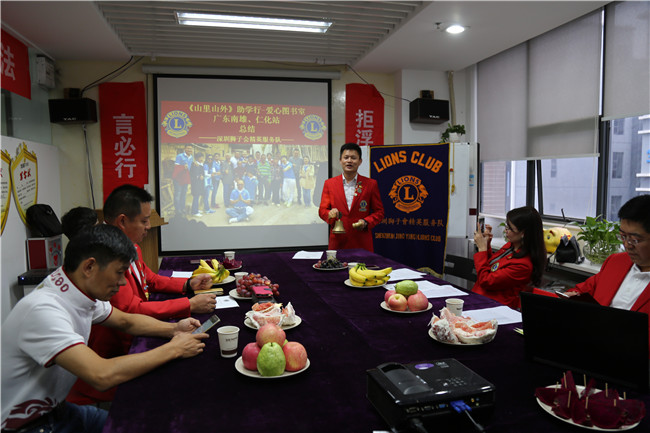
(345, 333)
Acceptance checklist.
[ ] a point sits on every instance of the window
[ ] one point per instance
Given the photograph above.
(618, 126)
(617, 163)
(503, 186)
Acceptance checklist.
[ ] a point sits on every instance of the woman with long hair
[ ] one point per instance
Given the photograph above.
(520, 262)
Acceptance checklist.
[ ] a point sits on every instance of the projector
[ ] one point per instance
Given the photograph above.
(426, 391)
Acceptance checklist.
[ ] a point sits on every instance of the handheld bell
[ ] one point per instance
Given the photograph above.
(338, 227)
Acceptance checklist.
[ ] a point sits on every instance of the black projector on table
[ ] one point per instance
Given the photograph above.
(426, 390)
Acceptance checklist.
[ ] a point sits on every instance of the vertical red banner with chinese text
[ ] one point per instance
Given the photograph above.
(364, 115)
(15, 66)
(122, 114)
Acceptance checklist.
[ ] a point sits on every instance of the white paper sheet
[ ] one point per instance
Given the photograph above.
(182, 274)
(503, 314)
(433, 290)
(312, 255)
(405, 274)
(225, 302)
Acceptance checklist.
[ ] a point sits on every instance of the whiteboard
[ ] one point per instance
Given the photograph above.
(463, 161)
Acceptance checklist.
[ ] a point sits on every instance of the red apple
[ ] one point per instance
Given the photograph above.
(397, 302)
(270, 333)
(296, 356)
(249, 356)
(418, 301)
(388, 295)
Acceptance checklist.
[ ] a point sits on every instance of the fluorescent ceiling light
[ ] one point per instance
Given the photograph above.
(454, 29)
(242, 22)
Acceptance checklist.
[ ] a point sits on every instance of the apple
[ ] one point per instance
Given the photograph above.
(397, 302)
(249, 356)
(388, 295)
(296, 356)
(417, 301)
(270, 333)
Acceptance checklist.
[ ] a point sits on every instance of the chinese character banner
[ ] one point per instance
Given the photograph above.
(124, 135)
(364, 115)
(414, 186)
(15, 66)
(232, 123)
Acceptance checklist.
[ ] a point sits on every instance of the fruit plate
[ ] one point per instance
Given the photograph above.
(432, 335)
(580, 388)
(328, 269)
(385, 307)
(228, 279)
(233, 294)
(248, 322)
(349, 284)
(239, 366)
(235, 269)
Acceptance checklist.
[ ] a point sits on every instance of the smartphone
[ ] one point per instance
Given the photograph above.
(481, 223)
(213, 320)
(262, 294)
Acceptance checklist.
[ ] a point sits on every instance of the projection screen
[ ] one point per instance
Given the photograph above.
(214, 138)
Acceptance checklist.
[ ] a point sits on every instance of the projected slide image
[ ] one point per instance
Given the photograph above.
(221, 184)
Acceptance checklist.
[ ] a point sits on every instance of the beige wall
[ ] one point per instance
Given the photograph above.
(75, 185)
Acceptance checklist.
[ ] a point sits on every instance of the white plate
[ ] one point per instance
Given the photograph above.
(349, 284)
(328, 269)
(239, 366)
(235, 269)
(248, 322)
(385, 307)
(580, 388)
(233, 294)
(228, 279)
(432, 335)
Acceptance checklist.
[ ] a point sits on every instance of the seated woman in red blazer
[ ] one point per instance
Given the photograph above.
(502, 275)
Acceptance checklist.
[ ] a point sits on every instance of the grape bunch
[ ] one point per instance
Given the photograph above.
(331, 263)
(245, 285)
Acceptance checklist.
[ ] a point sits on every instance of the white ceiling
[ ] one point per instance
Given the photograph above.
(371, 36)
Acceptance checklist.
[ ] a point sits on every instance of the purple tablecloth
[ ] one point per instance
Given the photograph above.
(345, 333)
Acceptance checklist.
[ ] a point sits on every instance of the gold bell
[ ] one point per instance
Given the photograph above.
(338, 227)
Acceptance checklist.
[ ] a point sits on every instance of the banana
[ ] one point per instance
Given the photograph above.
(356, 283)
(374, 274)
(201, 270)
(377, 282)
(204, 264)
(355, 277)
(215, 264)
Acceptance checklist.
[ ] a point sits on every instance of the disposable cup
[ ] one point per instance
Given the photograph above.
(239, 276)
(331, 254)
(455, 306)
(229, 255)
(228, 340)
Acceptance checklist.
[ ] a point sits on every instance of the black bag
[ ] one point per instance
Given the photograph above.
(568, 251)
(43, 221)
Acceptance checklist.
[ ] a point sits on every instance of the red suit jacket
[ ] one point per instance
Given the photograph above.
(503, 280)
(366, 204)
(132, 298)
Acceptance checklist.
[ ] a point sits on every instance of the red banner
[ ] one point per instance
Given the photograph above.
(215, 122)
(364, 115)
(124, 135)
(15, 66)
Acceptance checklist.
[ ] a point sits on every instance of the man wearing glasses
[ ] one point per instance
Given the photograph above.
(624, 278)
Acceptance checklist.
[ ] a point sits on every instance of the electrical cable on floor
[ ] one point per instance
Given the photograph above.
(416, 423)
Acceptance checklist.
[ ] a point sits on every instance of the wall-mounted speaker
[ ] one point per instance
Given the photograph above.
(429, 111)
(76, 110)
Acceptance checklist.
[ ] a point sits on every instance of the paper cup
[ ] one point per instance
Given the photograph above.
(229, 255)
(331, 254)
(239, 276)
(455, 305)
(228, 340)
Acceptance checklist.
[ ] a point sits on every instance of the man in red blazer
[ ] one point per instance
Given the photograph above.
(354, 199)
(624, 278)
(129, 208)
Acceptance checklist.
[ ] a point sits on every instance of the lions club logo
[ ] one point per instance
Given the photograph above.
(313, 127)
(408, 193)
(177, 123)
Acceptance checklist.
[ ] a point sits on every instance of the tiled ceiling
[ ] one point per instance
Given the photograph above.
(150, 28)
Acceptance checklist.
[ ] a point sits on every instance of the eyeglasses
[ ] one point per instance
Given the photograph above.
(629, 239)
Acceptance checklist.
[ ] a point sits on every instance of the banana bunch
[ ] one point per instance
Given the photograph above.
(362, 276)
(217, 270)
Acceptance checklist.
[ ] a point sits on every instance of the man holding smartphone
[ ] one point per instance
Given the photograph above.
(45, 336)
